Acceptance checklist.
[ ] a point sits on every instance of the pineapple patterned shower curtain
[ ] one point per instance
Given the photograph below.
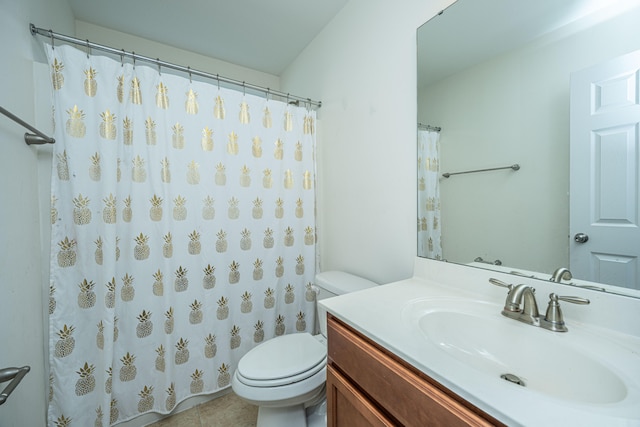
(429, 226)
(183, 234)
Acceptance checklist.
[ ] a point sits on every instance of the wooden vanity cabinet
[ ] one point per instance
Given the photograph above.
(369, 386)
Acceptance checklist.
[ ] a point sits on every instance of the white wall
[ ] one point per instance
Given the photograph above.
(515, 109)
(362, 67)
(21, 290)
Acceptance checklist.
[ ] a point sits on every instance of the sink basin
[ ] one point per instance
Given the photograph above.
(568, 366)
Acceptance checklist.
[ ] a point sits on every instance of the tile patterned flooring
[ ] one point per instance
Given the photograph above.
(226, 411)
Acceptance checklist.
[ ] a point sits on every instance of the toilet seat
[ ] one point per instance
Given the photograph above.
(282, 360)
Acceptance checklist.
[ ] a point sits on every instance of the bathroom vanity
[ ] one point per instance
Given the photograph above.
(436, 350)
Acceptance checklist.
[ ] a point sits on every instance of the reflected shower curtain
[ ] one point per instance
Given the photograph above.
(183, 234)
(429, 225)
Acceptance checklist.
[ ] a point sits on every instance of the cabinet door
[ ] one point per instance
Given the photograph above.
(347, 407)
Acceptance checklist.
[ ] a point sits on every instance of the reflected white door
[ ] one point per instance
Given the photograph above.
(605, 172)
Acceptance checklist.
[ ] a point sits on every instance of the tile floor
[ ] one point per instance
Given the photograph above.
(226, 411)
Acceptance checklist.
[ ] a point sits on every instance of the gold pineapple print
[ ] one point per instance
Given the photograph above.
(309, 236)
(245, 177)
(258, 272)
(98, 422)
(232, 145)
(75, 125)
(256, 147)
(288, 179)
(288, 121)
(62, 166)
(135, 94)
(267, 179)
(280, 326)
(162, 96)
(234, 273)
(307, 180)
(177, 139)
(155, 212)
(246, 305)
(236, 339)
(62, 421)
(120, 89)
(128, 292)
(208, 211)
(267, 120)
(234, 210)
(179, 208)
(288, 237)
(279, 267)
(221, 242)
(244, 115)
(81, 212)
(193, 174)
(209, 279)
(57, 78)
(308, 126)
(299, 208)
(170, 402)
(141, 250)
(191, 104)
(158, 284)
(257, 210)
(138, 172)
(182, 352)
(223, 308)
(90, 84)
(278, 152)
(289, 296)
(95, 169)
(197, 385)
(269, 298)
(52, 301)
(245, 240)
(301, 323)
(300, 265)
(224, 377)
(169, 321)
(258, 335)
(110, 295)
(268, 240)
(165, 172)
(210, 346)
(147, 400)
(118, 170)
(108, 125)
(108, 384)
(145, 326)
(297, 154)
(150, 131)
(279, 208)
(207, 139)
(114, 413)
(128, 371)
(86, 297)
(100, 336)
(160, 360)
(87, 382)
(66, 343)
(127, 212)
(195, 316)
(221, 177)
(116, 331)
(310, 293)
(167, 246)
(67, 254)
(218, 109)
(181, 282)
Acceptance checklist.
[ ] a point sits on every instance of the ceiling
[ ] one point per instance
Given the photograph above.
(262, 35)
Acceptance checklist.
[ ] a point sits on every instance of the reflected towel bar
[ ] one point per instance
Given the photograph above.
(35, 138)
(496, 262)
(514, 167)
(13, 374)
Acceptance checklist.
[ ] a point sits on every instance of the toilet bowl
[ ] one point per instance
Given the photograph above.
(285, 376)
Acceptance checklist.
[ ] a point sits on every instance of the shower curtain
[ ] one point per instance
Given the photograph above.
(429, 224)
(183, 234)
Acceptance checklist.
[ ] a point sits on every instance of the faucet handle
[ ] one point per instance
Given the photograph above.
(553, 319)
(500, 283)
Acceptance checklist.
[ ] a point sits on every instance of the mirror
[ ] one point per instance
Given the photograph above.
(495, 77)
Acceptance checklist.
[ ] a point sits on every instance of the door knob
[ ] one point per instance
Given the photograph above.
(580, 238)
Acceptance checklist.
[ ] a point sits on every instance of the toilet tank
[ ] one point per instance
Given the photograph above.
(334, 283)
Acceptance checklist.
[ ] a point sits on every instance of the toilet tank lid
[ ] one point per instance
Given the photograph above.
(341, 282)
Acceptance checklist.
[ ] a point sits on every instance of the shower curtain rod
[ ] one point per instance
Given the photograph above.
(38, 139)
(192, 72)
(429, 127)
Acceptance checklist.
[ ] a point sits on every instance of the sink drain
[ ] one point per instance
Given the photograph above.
(512, 379)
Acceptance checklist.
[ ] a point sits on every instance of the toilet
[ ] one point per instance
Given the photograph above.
(285, 376)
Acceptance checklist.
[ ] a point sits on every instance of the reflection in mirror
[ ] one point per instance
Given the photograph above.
(496, 77)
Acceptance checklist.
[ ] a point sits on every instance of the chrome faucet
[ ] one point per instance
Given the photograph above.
(561, 274)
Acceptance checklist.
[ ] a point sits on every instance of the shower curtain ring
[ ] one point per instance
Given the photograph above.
(244, 89)
(53, 47)
(88, 49)
(158, 62)
(122, 58)
(189, 70)
(268, 93)
(133, 55)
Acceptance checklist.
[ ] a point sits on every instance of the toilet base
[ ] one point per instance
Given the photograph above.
(294, 416)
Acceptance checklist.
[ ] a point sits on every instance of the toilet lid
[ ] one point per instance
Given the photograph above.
(282, 357)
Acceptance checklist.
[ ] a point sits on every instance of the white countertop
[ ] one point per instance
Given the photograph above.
(380, 313)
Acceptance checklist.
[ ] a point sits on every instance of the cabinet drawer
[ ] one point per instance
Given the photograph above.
(407, 395)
